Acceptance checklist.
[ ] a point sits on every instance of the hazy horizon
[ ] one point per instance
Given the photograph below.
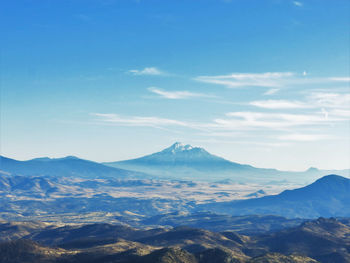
(135, 157)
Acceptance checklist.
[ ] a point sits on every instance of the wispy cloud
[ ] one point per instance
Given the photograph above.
(297, 3)
(330, 100)
(270, 121)
(236, 80)
(177, 94)
(271, 91)
(322, 110)
(146, 71)
(233, 121)
(273, 80)
(322, 100)
(138, 121)
(340, 113)
(304, 137)
(244, 142)
(279, 104)
(340, 79)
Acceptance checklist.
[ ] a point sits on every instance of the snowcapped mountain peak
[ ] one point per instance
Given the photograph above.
(179, 147)
(182, 159)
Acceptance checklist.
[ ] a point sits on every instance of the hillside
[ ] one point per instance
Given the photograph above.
(326, 240)
(328, 196)
(322, 240)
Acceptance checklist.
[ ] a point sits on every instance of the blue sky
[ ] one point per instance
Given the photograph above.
(258, 82)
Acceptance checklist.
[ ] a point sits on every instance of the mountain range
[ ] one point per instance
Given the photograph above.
(72, 185)
(179, 161)
(69, 166)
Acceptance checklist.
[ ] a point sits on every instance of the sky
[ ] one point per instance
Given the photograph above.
(260, 82)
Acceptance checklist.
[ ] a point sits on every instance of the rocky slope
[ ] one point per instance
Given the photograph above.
(322, 240)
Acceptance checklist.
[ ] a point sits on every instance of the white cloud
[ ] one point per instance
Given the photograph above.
(234, 121)
(340, 79)
(274, 80)
(244, 142)
(236, 80)
(297, 3)
(303, 137)
(176, 94)
(340, 113)
(138, 121)
(324, 100)
(274, 121)
(324, 109)
(279, 104)
(330, 100)
(271, 91)
(146, 71)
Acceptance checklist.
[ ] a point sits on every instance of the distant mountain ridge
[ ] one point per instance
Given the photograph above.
(179, 162)
(327, 197)
(183, 161)
(66, 166)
